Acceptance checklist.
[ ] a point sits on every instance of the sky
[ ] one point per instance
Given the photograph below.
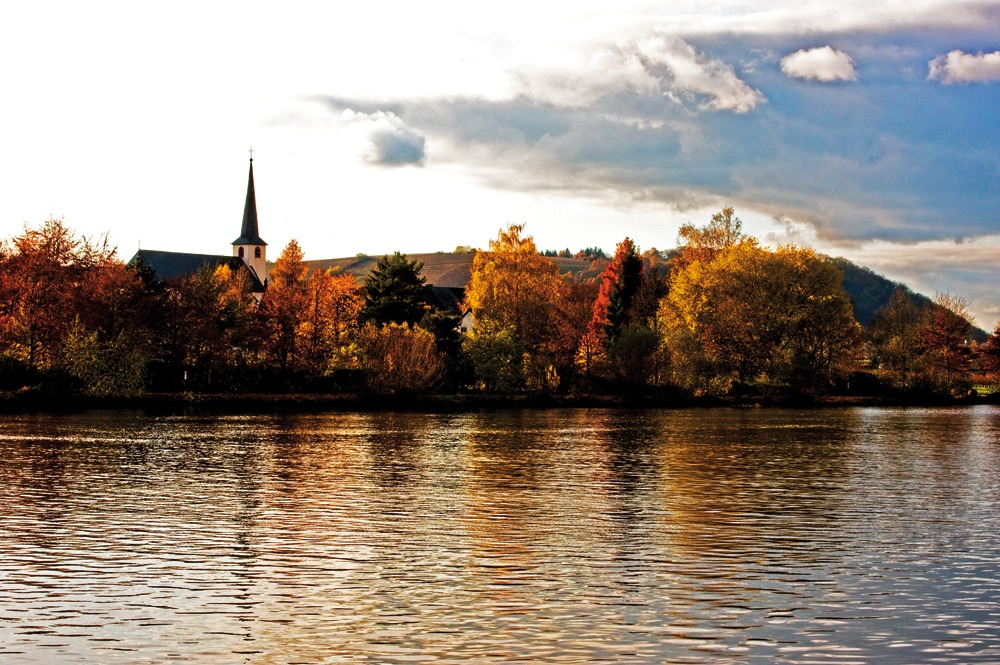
(869, 130)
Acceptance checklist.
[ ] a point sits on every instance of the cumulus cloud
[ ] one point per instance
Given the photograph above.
(823, 64)
(659, 66)
(386, 139)
(960, 67)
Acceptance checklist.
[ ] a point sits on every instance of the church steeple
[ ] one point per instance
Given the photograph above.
(249, 235)
(250, 246)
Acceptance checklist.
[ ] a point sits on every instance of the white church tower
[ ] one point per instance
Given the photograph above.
(249, 246)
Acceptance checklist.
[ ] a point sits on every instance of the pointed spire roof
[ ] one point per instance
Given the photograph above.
(248, 232)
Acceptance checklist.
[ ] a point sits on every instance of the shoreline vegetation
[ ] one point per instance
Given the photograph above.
(33, 401)
(721, 320)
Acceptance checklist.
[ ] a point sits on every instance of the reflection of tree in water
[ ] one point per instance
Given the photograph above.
(527, 511)
(744, 482)
(627, 477)
(501, 493)
(396, 446)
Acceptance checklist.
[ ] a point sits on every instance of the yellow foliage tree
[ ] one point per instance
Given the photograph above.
(702, 243)
(513, 286)
(748, 314)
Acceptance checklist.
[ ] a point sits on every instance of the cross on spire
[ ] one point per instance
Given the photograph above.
(251, 153)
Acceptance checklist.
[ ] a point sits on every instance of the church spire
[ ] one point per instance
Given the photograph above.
(249, 235)
(249, 246)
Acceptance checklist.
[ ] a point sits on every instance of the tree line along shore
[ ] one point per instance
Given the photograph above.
(720, 319)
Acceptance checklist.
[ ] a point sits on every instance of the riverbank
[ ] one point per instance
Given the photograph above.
(27, 401)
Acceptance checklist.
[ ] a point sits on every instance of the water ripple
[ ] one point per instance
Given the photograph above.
(854, 536)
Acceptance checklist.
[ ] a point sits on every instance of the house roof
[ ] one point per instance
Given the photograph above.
(448, 299)
(249, 235)
(167, 266)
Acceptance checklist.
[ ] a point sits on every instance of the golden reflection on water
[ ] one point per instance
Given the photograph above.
(574, 536)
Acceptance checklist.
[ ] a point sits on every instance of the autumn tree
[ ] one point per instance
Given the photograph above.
(619, 284)
(497, 358)
(702, 242)
(285, 305)
(574, 310)
(99, 367)
(626, 348)
(894, 340)
(990, 357)
(335, 304)
(746, 314)
(944, 339)
(512, 292)
(513, 286)
(394, 291)
(401, 359)
(40, 282)
(204, 324)
(70, 310)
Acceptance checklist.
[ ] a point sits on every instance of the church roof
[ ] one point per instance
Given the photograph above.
(249, 235)
(167, 266)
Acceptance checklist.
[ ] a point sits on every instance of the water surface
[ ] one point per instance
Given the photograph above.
(833, 536)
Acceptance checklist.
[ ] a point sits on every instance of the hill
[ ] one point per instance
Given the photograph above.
(870, 292)
(446, 269)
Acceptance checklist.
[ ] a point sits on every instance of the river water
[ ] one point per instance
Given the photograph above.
(826, 536)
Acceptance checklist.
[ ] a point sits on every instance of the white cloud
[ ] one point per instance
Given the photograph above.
(688, 73)
(819, 64)
(743, 17)
(959, 67)
(606, 72)
(658, 66)
(385, 139)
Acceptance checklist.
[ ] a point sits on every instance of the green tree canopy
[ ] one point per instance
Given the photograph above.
(395, 291)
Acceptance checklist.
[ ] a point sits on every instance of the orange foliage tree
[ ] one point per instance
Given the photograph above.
(571, 319)
(70, 307)
(40, 279)
(284, 306)
(335, 304)
(400, 359)
(990, 357)
(619, 284)
(701, 243)
(944, 339)
(204, 328)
